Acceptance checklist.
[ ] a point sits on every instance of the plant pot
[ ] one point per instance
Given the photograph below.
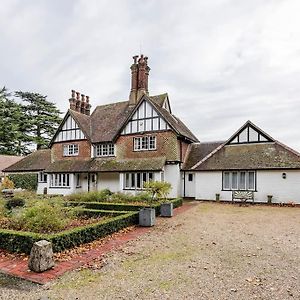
(217, 197)
(147, 217)
(270, 199)
(166, 210)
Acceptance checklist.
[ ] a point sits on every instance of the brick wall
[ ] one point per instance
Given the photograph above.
(57, 150)
(166, 144)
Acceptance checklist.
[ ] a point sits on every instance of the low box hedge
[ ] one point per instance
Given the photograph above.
(123, 206)
(18, 241)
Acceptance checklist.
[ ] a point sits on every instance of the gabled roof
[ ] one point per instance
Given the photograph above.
(198, 151)
(107, 121)
(36, 161)
(270, 154)
(8, 160)
(82, 120)
(175, 123)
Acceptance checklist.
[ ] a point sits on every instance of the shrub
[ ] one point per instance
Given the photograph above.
(158, 189)
(3, 210)
(25, 181)
(43, 217)
(95, 196)
(14, 202)
(7, 184)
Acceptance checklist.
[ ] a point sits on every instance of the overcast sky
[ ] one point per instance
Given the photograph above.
(223, 62)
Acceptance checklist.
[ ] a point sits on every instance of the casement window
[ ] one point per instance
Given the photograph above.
(239, 180)
(60, 180)
(42, 177)
(71, 150)
(137, 180)
(144, 143)
(107, 149)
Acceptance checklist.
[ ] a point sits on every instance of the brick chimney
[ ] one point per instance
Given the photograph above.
(139, 78)
(80, 103)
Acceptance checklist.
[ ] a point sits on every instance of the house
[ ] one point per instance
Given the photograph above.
(123, 144)
(6, 161)
(250, 160)
(118, 146)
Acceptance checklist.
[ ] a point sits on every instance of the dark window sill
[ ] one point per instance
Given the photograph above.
(59, 187)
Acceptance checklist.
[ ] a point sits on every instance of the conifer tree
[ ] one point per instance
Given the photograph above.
(42, 118)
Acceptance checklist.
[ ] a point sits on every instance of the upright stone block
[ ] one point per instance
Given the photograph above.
(41, 256)
(147, 217)
(166, 210)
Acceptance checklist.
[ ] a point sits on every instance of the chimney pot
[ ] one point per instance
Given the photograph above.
(135, 59)
(82, 98)
(87, 99)
(72, 94)
(78, 96)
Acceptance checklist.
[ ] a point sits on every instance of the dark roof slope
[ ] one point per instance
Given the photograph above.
(159, 99)
(84, 121)
(107, 120)
(36, 161)
(197, 152)
(108, 165)
(251, 157)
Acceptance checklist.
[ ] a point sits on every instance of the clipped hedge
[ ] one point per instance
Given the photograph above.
(123, 206)
(25, 181)
(22, 242)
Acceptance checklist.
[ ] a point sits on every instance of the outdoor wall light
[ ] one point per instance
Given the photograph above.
(284, 175)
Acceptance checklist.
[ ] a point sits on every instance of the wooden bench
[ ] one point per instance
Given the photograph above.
(243, 196)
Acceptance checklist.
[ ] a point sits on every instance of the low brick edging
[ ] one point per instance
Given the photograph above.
(19, 267)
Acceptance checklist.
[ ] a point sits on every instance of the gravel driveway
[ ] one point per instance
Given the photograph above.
(212, 251)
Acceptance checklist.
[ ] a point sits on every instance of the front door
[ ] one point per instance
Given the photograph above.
(189, 184)
(92, 182)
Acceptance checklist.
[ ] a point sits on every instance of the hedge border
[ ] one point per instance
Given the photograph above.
(22, 242)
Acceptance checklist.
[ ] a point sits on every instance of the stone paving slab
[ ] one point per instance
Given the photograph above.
(19, 267)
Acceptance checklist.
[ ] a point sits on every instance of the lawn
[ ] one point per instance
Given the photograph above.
(211, 251)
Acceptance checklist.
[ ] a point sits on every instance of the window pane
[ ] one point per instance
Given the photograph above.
(251, 181)
(151, 176)
(243, 137)
(226, 181)
(138, 180)
(132, 180)
(242, 181)
(234, 181)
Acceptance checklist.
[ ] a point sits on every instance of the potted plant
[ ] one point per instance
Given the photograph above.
(160, 190)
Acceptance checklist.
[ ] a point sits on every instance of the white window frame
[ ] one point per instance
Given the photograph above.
(71, 150)
(144, 143)
(60, 180)
(227, 181)
(135, 181)
(105, 149)
(42, 177)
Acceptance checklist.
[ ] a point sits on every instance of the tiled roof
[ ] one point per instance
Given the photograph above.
(197, 151)
(251, 157)
(106, 121)
(107, 165)
(8, 160)
(36, 161)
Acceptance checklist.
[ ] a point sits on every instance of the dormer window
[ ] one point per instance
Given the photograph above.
(106, 149)
(144, 143)
(71, 150)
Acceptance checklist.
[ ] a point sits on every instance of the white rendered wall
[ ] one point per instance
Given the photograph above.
(172, 175)
(268, 183)
(283, 190)
(109, 181)
(41, 186)
(188, 187)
